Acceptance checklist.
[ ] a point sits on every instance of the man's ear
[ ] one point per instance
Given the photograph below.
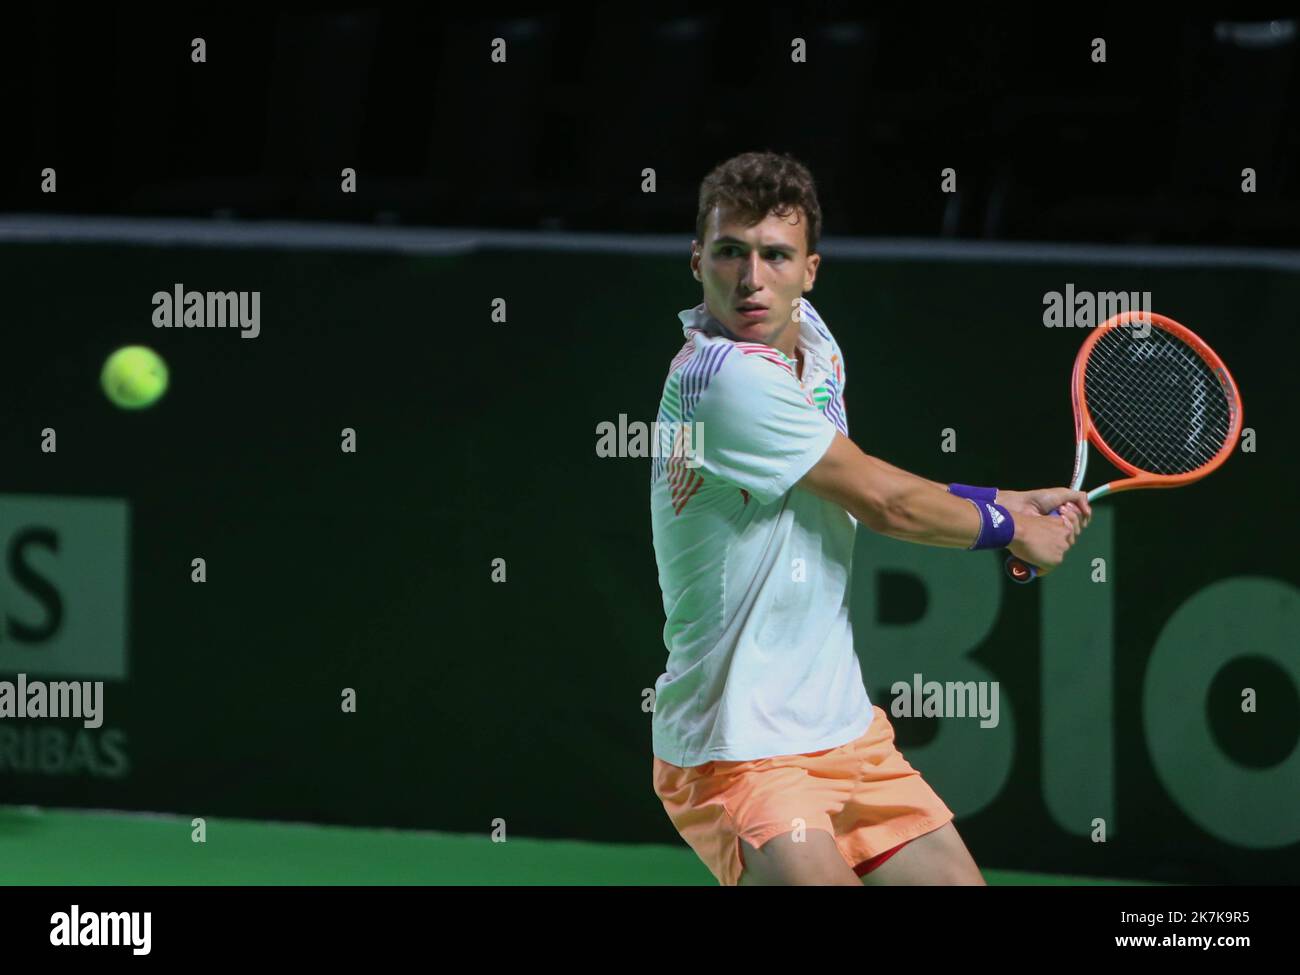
(810, 275)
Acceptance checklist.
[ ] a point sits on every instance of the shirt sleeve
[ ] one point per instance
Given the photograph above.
(758, 429)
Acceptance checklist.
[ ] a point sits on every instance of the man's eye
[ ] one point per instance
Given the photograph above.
(731, 250)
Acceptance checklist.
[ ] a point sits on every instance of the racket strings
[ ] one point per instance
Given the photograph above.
(1155, 402)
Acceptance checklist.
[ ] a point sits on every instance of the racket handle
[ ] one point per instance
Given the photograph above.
(1021, 571)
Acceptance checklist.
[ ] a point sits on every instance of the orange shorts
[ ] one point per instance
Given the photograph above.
(863, 793)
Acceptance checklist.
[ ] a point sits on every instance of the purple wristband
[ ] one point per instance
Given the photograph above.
(996, 526)
(973, 493)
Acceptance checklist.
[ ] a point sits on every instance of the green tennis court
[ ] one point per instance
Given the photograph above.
(56, 846)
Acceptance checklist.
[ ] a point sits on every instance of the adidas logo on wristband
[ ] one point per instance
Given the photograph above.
(997, 518)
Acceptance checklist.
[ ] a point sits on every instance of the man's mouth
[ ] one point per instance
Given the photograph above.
(751, 310)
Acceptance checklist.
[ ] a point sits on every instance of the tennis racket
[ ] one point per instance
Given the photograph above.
(1156, 401)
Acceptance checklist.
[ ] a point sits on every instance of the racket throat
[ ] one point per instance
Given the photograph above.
(1080, 464)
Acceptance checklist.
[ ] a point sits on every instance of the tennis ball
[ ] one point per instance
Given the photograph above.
(134, 377)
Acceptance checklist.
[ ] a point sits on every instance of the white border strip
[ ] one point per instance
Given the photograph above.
(167, 232)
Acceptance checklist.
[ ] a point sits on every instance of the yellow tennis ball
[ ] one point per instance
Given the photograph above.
(134, 377)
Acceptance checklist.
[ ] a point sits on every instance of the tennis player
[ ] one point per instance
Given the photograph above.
(769, 758)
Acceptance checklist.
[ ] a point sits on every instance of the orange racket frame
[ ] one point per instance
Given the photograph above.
(1085, 431)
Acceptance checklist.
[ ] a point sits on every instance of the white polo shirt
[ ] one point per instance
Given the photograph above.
(755, 574)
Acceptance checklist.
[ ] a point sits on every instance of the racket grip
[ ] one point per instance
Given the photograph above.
(1021, 571)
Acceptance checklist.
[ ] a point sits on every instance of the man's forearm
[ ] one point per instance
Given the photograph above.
(932, 517)
(908, 475)
(914, 509)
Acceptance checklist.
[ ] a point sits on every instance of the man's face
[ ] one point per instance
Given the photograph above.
(766, 265)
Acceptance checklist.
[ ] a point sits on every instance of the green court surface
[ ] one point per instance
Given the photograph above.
(57, 846)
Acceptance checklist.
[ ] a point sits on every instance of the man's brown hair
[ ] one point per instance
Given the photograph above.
(756, 184)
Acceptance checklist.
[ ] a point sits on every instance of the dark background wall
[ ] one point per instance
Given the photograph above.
(476, 440)
(1047, 144)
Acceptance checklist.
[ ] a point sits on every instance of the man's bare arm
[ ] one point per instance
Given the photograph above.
(889, 500)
